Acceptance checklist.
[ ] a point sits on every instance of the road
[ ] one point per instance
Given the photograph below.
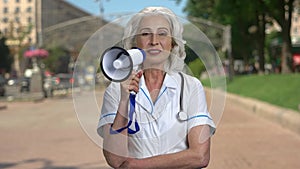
(46, 134)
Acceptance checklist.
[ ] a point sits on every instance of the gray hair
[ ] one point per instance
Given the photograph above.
(175, 62)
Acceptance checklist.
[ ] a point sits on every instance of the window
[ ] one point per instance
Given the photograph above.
(5, 20)
(17, 19)
(18, 29)
(5, 10)
(5, 1)
(29, 10)
(29, 19)
(17, 1)
(295, 30)
(28, 0)
(17, 10)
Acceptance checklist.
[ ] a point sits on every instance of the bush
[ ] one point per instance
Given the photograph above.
(197, 67)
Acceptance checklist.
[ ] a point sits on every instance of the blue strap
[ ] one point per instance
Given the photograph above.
(131, 111)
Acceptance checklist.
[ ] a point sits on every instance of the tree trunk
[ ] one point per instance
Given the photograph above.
(286, 56)
(261, 42)
(16, 64)
(286, 52)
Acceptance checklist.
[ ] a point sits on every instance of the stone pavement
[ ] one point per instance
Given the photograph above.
(47, 135)
(287, 118)
(245, 140)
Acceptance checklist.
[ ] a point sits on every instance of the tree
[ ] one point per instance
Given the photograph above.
(18, 34)
(259, 7)
(242, 15)
(281, 11)
(58, 60)
(238, 14)
(201, 9)
(5, 59)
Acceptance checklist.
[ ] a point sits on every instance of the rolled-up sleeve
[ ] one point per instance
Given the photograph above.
(197, 107)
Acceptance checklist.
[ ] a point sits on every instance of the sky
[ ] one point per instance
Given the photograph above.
(115, 7)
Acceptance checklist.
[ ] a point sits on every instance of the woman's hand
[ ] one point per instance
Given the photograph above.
(131, 84)
(130, 163)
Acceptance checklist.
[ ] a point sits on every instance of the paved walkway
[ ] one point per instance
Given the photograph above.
(47, 135)
(246, 141)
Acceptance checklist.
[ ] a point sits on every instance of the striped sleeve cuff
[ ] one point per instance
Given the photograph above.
(105, 119)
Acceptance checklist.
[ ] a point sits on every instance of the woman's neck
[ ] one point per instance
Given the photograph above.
(154, 79)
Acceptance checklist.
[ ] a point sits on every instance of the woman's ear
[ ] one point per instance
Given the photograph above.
(173, 43)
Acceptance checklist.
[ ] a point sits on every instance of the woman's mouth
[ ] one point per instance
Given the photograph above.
(153, 51)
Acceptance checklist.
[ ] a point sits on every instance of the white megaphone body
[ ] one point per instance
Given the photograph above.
(117, 63)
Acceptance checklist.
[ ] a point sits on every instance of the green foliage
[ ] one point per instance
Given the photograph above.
(203, 9)
(277, 89)
(246, 20)
(197, 67)
(276, 9)
(190, 55)
(281, 90)
(272, 50)
(25, 32)
(239, 14)
(52, 61)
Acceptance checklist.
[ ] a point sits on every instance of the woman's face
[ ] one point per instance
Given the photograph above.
(154, 36)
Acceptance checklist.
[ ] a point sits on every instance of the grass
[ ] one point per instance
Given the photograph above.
(277, 89)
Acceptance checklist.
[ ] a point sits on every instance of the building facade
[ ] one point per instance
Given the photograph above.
(23, 21)
(17, 16)
(295, 26)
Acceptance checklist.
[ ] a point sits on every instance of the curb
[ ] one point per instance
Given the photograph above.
(287, 118)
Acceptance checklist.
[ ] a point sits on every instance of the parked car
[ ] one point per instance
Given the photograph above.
(12, 81)
(2, 86)
(63, 82)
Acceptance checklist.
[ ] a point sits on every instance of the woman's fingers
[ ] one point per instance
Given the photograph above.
(134, 83)
(131, 84)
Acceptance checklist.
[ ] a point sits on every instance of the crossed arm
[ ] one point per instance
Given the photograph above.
(196, 156)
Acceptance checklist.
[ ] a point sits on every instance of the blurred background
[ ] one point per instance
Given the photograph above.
(258, 43)
(41, 41)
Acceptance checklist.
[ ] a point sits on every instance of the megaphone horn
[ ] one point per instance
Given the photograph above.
(117, 63)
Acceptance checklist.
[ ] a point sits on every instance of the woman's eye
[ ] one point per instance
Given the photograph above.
(145, 34)
(162, 33)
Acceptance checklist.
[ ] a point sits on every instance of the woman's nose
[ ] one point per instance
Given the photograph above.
(154, 39)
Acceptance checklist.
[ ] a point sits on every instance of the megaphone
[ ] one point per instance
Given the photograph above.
(117, 63)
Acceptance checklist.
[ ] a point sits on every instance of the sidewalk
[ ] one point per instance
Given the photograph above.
(287, 118)
(244, 140)
(48, 135)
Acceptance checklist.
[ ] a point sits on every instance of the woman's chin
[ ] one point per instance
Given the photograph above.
(153, 66)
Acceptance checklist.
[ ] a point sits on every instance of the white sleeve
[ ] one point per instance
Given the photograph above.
(110, 104)
(197, 106)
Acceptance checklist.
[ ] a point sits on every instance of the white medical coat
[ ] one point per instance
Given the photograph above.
(160, 130)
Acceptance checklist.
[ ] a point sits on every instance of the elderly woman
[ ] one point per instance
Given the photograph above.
(170, 126)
